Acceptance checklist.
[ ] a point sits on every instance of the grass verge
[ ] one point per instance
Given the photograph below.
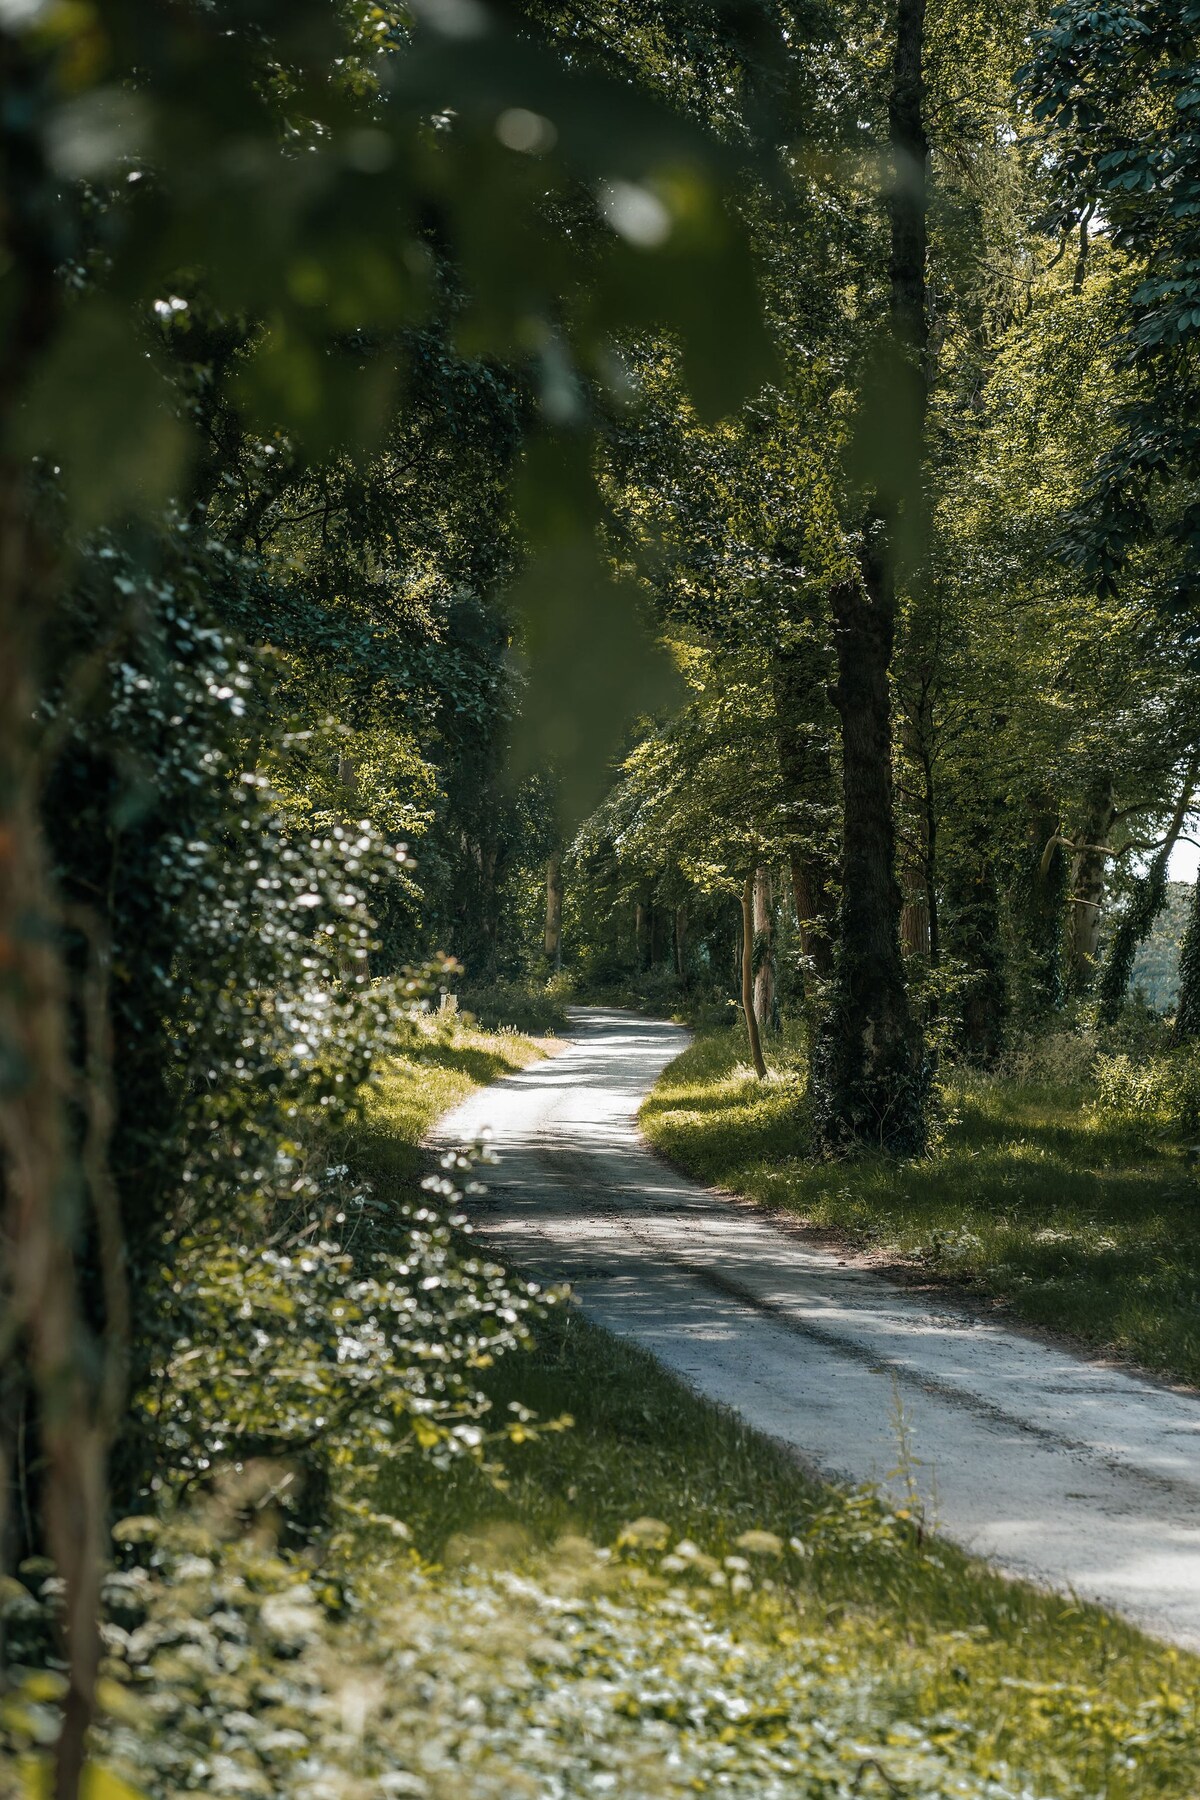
(654, 1603)
(1035, 1198)
(858, 1657)
(408, 1093)
(848, 1650)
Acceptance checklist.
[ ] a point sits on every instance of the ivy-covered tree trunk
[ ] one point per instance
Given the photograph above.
(920, 926)
(870, 1076)
(1187, 1015)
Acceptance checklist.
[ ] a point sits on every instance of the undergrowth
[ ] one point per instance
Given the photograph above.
(1072, 1213)
(654, 1602)
(534, 1005)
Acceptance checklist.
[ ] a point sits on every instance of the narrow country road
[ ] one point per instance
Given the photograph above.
(1065, 1471)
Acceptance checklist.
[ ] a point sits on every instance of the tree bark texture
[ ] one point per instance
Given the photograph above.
(870, 1080)
(642, 935)
(870, 1076)
(914, 913)
(802, 734)
(920, 926)
(756, 1055)
(554, 906)
(1040, 910)
(766, 1003)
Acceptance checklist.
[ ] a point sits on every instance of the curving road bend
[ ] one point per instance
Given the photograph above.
(1064, 1471)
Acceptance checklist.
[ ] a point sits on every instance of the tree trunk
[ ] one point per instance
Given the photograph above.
(680, 941)
(756, 1055)
(1089, 878)
(1041, 898)
(71, 1388)
(973, 935)
(799, 682)
(870, 1080)
(919, 924)
(72, 1382)
(914, 914)
(641, 928)
(766, 1005)
(869, 1084)
(554, 906)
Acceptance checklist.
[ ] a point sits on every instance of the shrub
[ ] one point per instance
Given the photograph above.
(1064, 1058)
(536, 1007)
(1161, 1093)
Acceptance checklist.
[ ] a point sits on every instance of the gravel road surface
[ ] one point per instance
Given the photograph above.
(1065, 1471)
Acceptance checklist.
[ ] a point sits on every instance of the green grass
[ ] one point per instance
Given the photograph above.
(407, 1094)
(524, 1641)
(893, 1645)
(535, 1004)
(911, 1639)
(1035, 1199)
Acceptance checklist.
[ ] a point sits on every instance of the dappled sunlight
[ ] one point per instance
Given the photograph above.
(1034, 1197)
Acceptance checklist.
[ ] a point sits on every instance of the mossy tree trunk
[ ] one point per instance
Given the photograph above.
(1040, 910)
(920, 924)
(973, 938)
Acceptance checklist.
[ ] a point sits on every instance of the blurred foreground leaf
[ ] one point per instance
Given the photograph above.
(593, 668)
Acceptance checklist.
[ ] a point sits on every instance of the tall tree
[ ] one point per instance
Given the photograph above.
(870, 1075)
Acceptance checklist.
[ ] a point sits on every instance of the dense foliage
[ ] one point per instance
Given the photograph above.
(692, 502)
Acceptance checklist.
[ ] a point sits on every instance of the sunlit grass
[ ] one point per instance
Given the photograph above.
(870, 1640)
(407, 1094)
(1033, 1199)
(1012, 1685)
